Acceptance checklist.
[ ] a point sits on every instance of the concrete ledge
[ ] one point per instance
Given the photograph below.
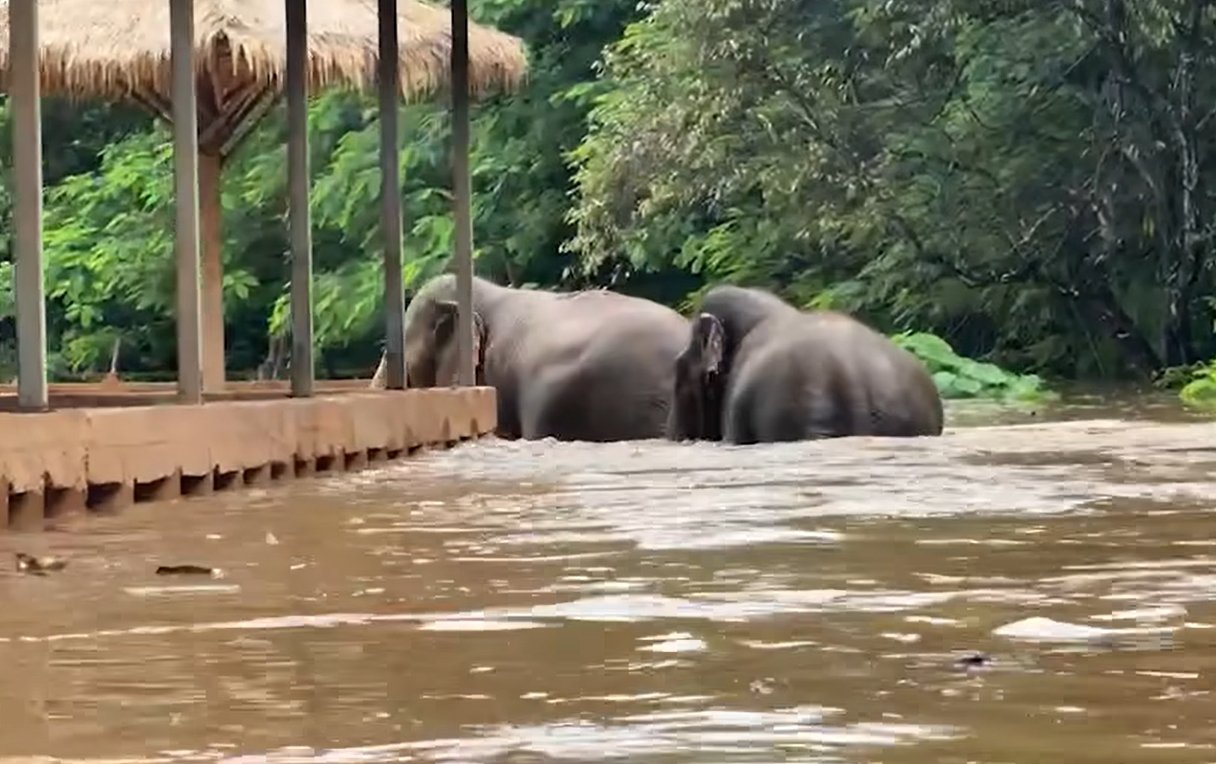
(115, 393)
(60, 463)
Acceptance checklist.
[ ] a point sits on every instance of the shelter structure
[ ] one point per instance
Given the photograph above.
(239, 56)
(212, 68)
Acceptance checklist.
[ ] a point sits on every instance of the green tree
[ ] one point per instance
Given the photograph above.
(109, 207)
(974, 169)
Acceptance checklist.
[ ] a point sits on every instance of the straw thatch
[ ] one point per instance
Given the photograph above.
(112, 48)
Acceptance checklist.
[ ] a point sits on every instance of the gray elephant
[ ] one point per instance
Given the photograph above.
(591, 366)
(756, 369)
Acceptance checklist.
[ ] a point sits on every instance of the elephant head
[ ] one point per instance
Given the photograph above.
(700, 380)
(431, 355)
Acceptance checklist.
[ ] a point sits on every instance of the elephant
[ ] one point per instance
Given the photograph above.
(755, 369)
(591, 365)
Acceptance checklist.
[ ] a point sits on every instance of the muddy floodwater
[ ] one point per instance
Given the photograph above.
(1038, 585)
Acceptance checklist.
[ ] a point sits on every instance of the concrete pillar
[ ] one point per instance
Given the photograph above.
(303, 376)
(393, 361)
(185, 176)
(461, 190)
(27, 204)
(211, 253)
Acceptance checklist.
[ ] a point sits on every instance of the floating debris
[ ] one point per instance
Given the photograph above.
(973, 660)
(38, 566)
(188, 570)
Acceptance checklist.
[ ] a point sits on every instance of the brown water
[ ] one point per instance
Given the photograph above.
(537, 602)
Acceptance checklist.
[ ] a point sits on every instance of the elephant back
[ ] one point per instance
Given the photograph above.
(829, 375)
(585, 366)
(892, 387)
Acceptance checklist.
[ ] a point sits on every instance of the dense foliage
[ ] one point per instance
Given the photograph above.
(1200, 389)
(960, 377)
(1026, 180)
(109, 207)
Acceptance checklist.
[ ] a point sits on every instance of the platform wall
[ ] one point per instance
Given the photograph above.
(77, 460)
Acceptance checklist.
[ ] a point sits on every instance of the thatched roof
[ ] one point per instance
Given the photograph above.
(107, 48)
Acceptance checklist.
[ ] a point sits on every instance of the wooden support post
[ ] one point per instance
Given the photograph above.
(461, 189)
(303, 372)
(27, 204)
(390, 201)
(185, 175)
(211, 262)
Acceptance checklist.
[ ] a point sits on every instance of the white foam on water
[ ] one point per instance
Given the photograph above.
(1040, 629)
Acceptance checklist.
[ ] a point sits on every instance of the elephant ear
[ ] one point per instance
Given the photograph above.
(447, 318)
(446, 314)
(479, 347)
(709, 339)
